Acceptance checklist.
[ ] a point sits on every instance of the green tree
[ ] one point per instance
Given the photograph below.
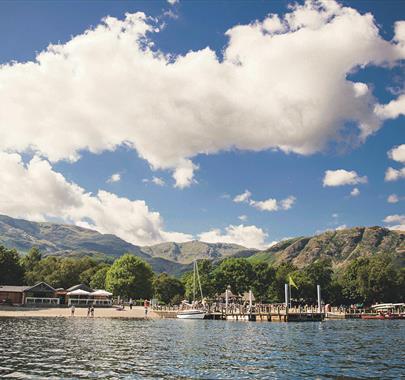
(372, 279)
(98, 279)
(264, 276)
(130, 277)
(276, 289)
(168, 288)
(236, 272)
(205, 270)
(307, 279)
(11, 270)
(32, 258)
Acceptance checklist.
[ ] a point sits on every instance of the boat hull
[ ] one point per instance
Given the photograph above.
(191, 314)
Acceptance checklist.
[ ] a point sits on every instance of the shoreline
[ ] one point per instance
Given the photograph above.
(137, 312)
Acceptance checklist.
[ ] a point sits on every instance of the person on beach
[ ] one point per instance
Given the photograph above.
(92, 311)
(72, 311)
(146, 305)
(130, 304)
(88, 311)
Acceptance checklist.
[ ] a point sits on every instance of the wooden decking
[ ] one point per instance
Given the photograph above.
(269, 315)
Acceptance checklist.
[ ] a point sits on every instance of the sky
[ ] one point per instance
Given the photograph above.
(242, 122)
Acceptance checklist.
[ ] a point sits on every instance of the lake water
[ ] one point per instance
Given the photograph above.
(37, 348)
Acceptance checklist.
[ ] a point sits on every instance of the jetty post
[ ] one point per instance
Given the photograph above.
(286, 294)
(318, 290)
(226, 301)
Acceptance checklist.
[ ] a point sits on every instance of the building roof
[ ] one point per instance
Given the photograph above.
(40, 287)
(80, 286)
(13, 288)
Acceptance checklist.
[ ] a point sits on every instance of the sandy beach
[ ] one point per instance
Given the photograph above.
(137, 312)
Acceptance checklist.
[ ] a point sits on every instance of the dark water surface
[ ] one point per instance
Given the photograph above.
(37, 348)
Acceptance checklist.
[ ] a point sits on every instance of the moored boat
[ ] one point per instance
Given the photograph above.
(191, 314)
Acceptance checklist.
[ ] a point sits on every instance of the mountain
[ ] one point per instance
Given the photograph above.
(68, 240)
(175, 258)
(340, 246)
(185, 253)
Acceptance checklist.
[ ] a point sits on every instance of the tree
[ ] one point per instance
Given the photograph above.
(11, 270)
(168, 288)
(130, 277)
(32, 258)
(205, 271)
(372, 279)
(276, 289)
(236, 272)
(264, 276)
(307, 279)
(98, 279)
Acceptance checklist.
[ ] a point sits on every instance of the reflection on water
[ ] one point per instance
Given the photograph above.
(35, 348)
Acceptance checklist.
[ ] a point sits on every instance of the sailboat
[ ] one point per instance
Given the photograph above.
(193, 313)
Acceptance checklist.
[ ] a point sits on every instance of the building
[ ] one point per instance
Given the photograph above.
(40, 293)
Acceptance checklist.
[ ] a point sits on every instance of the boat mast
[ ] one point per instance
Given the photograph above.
(199, 282)
(194, 281)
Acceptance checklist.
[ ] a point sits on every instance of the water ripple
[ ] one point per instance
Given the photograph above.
(54, 348)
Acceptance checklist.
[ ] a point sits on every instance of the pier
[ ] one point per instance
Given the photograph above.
(259, 313)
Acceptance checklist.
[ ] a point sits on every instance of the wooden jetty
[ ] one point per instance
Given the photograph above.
(262, 313)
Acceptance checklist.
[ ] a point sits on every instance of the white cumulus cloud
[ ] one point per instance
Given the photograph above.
(116, 177)
(36, 192)
(397, 153)
(392, 174)
(244, 197)
(110, 86)
(270, 204)
(393, 198)
(156, 180)
(355, 192)
(342, 177)
(248, 236)
(396, 222)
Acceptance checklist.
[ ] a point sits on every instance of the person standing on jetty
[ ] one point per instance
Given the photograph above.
(72, 310)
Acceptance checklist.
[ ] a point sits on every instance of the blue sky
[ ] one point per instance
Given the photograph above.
(204, 201)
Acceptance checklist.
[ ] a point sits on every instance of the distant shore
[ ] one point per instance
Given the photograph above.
(137, 312)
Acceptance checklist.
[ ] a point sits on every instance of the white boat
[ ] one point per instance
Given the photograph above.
(193, 313)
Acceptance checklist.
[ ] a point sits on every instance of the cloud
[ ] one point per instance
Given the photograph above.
(397, 153)
(341, 227)
(156, 180)
(35, 191)
(270, 204)
(244, 197)
(111, 86)
(396, 222)
(248, 236)
(355, 192)
(393, 198)
(342, 177)
(116, 177)
(392, 174)
(243, 218)
(172, 2)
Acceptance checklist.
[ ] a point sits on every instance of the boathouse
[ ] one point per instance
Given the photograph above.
(40, 293)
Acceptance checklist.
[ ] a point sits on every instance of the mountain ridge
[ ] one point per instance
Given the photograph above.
(340, 246)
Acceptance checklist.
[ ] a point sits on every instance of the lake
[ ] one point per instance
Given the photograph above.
(78, 348)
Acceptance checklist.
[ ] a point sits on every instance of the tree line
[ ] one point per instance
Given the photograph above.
(364, 280)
